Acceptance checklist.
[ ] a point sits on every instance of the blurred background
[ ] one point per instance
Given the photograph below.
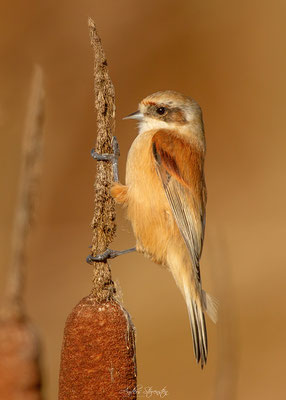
(231, 57)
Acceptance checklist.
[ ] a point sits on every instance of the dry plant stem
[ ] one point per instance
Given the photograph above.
(31, 162)
(228, 341)
(103, 223)
(19, 347)
(98, 354)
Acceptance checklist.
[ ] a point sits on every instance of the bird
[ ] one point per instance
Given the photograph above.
(165, 197)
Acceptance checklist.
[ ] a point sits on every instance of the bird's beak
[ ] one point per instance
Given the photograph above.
(136, 115)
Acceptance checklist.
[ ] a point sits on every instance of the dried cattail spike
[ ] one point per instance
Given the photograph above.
(98, 354)
(19, 364)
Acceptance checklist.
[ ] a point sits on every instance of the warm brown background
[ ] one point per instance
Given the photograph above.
(230, 56)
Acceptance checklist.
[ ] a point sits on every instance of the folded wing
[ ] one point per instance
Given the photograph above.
(179, 165)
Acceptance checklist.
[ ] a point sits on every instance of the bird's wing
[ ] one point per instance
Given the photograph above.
(179, 165)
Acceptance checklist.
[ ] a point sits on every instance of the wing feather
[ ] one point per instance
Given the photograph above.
(180, 168)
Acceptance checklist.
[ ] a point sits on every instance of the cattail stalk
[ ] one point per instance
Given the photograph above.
(19, 349)
(98, 353)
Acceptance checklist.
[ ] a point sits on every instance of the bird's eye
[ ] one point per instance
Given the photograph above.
(161, 110)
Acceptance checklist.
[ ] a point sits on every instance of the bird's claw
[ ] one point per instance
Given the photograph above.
(105, 156)
(109, 253)
(101, 157)
(109, 157)
(101, 257)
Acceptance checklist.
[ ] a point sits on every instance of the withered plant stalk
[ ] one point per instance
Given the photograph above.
(103, 223)
(98, 353)
(19, 350)
(31, 164)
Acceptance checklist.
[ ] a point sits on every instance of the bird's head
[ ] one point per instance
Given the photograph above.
(169, 110)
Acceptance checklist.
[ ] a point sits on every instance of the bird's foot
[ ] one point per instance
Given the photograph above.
(108, 254)
(109, 157)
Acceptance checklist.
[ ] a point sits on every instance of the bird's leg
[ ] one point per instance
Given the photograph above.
(114, 159)
(109, 157)
(108, 254)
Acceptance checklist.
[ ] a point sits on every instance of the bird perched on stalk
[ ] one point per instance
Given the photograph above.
(165, 196)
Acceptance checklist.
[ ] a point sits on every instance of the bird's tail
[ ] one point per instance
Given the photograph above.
(196, 307)
(197, 300)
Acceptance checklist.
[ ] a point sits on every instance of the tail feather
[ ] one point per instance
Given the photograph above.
(198, 324)
(198, 302)
(195, 331)
(198, 328)
(203, 333)
(211, 306)
(199, 332)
